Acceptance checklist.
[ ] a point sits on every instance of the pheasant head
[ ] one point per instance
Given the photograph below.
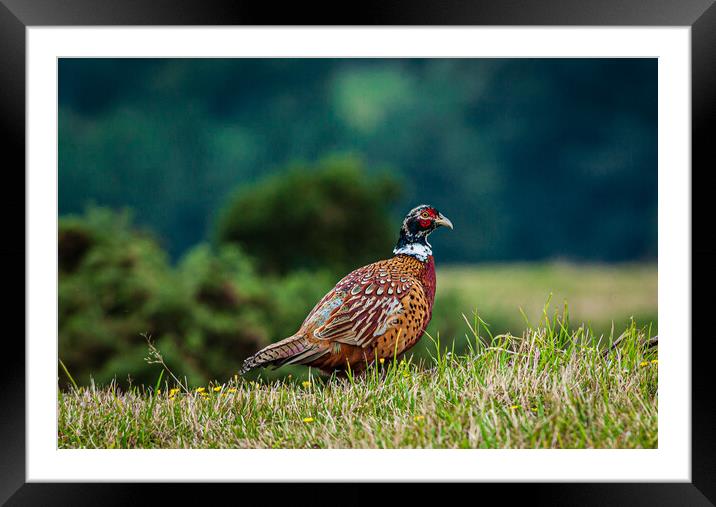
(417, 226)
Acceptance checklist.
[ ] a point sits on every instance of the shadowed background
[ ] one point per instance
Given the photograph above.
(252, 185)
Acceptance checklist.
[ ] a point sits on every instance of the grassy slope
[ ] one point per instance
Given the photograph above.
(550, 388)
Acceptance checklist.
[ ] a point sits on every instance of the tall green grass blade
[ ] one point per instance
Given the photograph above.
(64, 368)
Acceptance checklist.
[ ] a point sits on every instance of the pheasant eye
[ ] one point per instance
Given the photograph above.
(425, 214)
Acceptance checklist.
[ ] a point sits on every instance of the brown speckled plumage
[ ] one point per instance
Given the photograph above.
(377, 311)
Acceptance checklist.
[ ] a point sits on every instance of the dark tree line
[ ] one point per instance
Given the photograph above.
(531, 159)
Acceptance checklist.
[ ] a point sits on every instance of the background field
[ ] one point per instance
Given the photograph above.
(596, 294)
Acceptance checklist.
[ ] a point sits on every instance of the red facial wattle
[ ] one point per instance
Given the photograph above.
(426, 217)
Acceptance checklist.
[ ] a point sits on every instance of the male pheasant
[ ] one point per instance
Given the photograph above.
(374, 312)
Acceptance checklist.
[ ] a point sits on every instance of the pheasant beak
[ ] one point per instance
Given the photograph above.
(443, 220)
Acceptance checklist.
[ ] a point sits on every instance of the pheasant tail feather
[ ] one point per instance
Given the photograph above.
(291, 350)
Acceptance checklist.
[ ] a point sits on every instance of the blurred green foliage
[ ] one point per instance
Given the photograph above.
(531, 159)
(114, 283)
(205, 316)
(333, 215)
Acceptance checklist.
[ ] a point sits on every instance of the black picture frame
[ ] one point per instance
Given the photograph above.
(700, 15)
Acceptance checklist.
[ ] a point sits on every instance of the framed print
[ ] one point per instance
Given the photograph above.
(228, 276)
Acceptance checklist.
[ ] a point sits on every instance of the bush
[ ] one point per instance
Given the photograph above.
(112, 281)
(205, 316)
(339, 222)
(228, 311)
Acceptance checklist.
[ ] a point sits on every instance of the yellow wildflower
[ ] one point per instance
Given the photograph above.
(419, 418)
(644, 363)
(217, 389)
(200, 390)
(159, 391)
(382, 360)
(654, 361)
(173, 391)
(514, 407)
(232, 390)
(308, 419)
(306, 384)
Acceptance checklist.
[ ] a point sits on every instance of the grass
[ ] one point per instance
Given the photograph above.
(552, 387)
